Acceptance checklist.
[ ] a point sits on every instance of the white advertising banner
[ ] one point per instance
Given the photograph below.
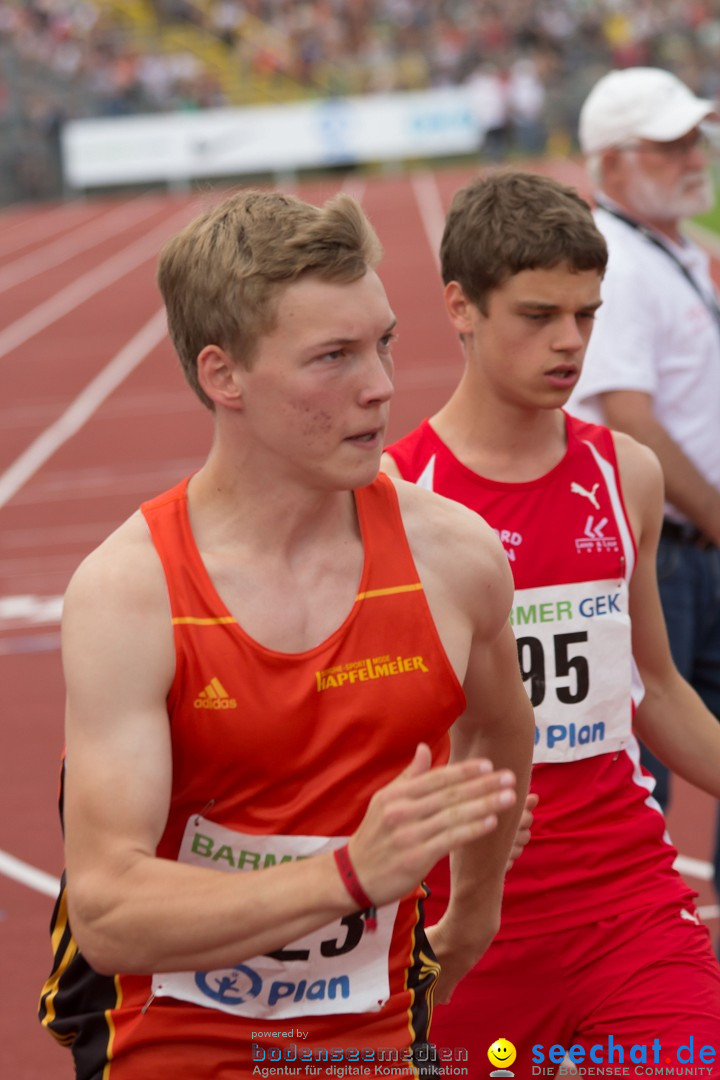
(173, 147)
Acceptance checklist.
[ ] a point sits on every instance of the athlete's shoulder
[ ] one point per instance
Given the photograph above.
(408, 456)
(588, 430)
(123, 572)
(639, 466)
(449, 540)
(635, 459)
(420, 506)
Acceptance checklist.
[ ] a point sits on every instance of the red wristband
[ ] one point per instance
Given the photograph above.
(347, 873)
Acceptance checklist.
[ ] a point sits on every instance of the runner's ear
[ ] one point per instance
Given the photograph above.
(219, 377)
(459, 307)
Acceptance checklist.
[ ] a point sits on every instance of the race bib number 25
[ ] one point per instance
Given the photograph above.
(340, 968)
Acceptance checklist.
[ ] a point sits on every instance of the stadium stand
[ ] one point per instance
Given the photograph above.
(72, 58)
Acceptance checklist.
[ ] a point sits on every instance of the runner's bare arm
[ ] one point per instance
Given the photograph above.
(134, 912)
(498, 724)
(468, 584)
(524, 831)
(672, 720)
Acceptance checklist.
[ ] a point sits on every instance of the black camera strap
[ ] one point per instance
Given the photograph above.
(711, 302)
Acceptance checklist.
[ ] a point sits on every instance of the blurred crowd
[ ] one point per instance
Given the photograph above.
(529, 63)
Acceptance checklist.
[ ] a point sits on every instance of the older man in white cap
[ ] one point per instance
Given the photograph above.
(652, 368)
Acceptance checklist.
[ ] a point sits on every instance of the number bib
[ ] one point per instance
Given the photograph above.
(340, 968)
(574, 648)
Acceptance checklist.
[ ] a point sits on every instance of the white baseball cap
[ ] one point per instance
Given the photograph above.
(639, 103)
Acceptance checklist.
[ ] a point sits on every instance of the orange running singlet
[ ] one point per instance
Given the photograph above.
(275, 758)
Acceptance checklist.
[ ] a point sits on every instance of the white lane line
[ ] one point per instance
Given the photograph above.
(37, 453)
(28, 875)
(33, 227)
(695, 868)
(82, 408)
(432, 212)
(152, 402)
(45, 883)
(102, 483)
(29, 610)
(74, 417)
(81, 239)
(87, 285)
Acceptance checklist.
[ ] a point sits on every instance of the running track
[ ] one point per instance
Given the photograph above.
(94, 418)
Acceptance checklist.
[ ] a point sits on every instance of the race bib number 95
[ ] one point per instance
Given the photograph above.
(574, 651)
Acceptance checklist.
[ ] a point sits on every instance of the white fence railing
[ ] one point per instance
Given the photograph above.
(177, 147)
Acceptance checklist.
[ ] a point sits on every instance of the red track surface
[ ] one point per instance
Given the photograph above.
(66, 311)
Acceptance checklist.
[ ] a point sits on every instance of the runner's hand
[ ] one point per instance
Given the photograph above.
(524, 828)
(421, 816)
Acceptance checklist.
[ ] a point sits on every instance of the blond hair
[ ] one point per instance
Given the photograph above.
(221, 277)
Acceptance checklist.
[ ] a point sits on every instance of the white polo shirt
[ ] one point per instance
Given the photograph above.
(654, 334)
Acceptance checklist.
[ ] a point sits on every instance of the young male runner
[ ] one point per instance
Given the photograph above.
(263, 665)
(600, 941)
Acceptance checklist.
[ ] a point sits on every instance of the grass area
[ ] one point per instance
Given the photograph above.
(711, 220)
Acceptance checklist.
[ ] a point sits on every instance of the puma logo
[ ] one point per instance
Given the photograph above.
(578, 489)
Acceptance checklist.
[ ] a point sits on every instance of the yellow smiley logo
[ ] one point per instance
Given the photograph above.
(502, 1053)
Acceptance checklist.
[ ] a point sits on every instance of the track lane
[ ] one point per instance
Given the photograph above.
(140, 439)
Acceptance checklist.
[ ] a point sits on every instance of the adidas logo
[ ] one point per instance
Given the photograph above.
(215, 696)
